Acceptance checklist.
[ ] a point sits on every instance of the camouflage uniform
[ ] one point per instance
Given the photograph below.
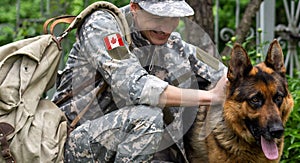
(125, 123)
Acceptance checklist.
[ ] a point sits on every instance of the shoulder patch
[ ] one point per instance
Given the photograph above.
(115, 46)
(112, 41)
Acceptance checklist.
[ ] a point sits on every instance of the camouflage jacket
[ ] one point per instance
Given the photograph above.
(135, 74)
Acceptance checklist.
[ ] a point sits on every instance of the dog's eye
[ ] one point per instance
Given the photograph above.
(255, 101)
(278, 99)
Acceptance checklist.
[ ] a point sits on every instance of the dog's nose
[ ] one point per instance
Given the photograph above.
(276, 130)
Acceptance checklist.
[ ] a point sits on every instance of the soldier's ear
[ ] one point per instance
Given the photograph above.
(134, 7)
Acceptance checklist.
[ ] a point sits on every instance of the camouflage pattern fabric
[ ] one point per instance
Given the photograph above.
(131, 132)
(125, 123)
(170, 8)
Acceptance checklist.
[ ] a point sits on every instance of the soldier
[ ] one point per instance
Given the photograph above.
(148, 86)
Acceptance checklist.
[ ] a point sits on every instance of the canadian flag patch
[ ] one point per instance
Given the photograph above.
(112, 41)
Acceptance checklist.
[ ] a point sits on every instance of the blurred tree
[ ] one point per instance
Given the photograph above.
(245, 24)
(203, 15)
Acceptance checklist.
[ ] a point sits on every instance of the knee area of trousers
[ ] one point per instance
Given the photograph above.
(149, 114)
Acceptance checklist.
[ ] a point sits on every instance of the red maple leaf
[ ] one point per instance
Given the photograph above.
(113, 40)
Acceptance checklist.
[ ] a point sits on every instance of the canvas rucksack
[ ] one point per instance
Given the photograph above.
(34, 129)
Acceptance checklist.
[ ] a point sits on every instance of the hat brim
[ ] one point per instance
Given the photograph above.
(167, 8)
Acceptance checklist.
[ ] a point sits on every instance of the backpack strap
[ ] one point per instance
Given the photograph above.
(76, 21)
(73, 124)
(109, 7)
(52, 22)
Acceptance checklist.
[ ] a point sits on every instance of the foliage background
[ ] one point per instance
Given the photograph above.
(24, 18)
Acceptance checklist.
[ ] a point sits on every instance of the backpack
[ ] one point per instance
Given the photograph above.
(32, 128)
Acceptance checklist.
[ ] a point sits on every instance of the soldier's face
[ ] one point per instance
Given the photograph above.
(156, 29)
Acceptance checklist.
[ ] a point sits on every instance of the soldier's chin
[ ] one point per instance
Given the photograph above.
(158, 38)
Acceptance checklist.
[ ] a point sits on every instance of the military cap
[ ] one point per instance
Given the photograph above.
(168, 8)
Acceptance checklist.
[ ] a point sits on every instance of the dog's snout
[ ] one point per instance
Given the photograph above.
(276, 130)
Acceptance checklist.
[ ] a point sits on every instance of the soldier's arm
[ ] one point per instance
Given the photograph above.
(174, 96)
(120, 68)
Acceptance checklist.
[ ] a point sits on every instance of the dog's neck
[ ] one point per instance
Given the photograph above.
(228, 140)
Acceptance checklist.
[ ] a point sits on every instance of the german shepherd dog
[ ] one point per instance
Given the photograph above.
(250, 128)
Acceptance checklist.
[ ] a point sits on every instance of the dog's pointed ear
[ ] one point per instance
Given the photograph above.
(239, 64)
(275, 59)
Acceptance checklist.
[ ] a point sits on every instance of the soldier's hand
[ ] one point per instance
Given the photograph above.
(218, 93)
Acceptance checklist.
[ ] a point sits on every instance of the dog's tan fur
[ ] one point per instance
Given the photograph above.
(230, 140)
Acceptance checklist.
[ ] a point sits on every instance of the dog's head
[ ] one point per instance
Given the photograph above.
(258, 101)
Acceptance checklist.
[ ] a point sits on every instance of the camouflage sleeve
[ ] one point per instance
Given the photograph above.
(112, 58)
(205, 64)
